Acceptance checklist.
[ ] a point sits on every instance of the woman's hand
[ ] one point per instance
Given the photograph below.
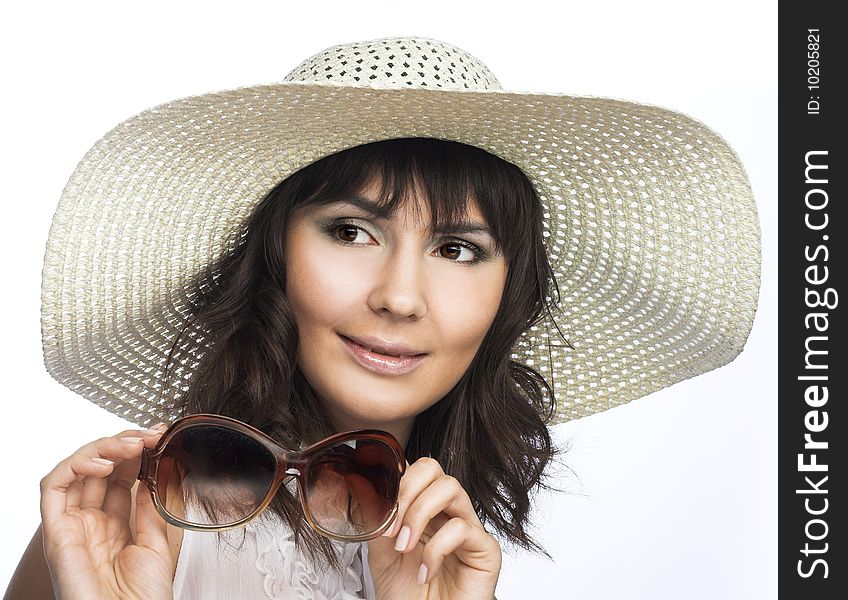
(86, 507)
(441, 540)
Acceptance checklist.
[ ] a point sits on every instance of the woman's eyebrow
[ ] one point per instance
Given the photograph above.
(382, 213)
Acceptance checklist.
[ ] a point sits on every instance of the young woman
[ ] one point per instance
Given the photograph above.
(408, 285)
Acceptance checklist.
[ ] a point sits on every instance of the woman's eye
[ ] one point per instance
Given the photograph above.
(460, 252)
(455, 252)
(350, 233)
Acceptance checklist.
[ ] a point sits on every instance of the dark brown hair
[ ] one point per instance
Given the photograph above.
(489, 431)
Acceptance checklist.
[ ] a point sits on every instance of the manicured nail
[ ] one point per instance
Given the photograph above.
(422, 573)
(403, 538)
(131, 440)
(101, 461)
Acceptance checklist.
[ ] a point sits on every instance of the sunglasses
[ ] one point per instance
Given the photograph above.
(214, 473)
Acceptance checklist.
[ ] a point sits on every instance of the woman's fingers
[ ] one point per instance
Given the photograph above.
(93, 489)
(151, 530)
(436, 520)
(118, 497)
(414, 481)
(55, 485)
(74, 492)
(443, 495)
(96, 490)
(107, 443)
(93, 492)
(65, 486)
(425, 492)
(473, 546)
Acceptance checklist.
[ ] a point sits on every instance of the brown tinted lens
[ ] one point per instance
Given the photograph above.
(212, 475)
(352, 487)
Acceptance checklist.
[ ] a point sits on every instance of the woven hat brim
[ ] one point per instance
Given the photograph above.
(652, 229)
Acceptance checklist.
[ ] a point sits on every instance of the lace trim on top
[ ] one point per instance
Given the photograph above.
(260, 561)
(288, 573)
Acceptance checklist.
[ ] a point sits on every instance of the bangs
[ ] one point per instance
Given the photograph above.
(445, 175)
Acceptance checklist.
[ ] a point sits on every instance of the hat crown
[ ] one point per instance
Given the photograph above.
(397, 63)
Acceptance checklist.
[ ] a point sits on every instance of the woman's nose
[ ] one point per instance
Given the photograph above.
(400, 286)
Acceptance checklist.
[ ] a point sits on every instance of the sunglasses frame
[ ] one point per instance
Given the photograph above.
(290, 463)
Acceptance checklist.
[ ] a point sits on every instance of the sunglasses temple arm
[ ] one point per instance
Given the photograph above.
(143, 471)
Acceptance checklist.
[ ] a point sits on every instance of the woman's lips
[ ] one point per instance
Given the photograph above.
(381, 363)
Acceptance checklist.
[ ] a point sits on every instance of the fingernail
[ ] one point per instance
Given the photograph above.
(131, 440)
(160, 426)
(101, 461)
(151, 431)
(402, 538)
(422, 573)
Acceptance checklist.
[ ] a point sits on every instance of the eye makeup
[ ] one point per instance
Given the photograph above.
(330, 228)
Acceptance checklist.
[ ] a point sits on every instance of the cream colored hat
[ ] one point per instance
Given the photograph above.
(651, 227)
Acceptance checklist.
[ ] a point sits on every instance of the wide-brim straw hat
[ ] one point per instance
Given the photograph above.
(651, 227)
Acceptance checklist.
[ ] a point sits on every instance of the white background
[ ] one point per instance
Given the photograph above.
(674, 494)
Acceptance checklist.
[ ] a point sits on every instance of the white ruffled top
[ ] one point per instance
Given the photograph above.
(260, 562)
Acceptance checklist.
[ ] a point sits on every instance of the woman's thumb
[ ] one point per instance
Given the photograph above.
(151, 529)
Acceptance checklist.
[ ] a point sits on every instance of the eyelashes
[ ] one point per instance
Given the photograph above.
(332, 227)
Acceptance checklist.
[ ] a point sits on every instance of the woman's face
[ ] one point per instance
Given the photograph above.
(353, 275)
